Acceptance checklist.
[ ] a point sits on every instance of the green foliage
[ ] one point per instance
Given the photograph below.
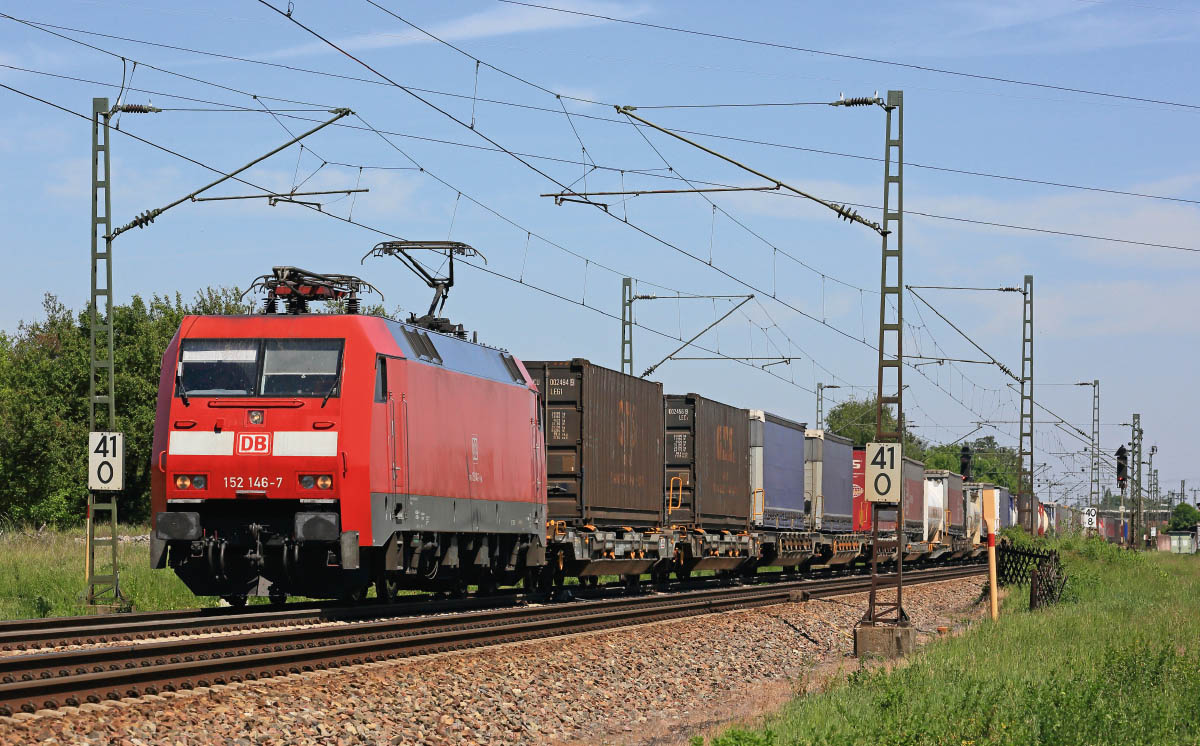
(991, 462)
(44, 410)
(1184, 518)
(855, 419)
(41, 575)
(1117, 663)
(738, 737)
(1017, 536)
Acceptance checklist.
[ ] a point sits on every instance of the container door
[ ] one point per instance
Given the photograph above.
(679, 476)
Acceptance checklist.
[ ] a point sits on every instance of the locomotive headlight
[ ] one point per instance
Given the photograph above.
(183, 481)
(324, 482)
(307, 481)
(199, 482)
(255, 416)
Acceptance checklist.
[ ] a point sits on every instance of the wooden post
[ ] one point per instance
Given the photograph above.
(993, 589)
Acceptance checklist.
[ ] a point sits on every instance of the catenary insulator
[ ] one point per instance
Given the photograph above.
(137, 109)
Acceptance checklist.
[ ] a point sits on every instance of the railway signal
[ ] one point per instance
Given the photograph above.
(1122, 467)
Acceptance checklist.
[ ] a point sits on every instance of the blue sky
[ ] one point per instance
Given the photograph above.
(1121, 313)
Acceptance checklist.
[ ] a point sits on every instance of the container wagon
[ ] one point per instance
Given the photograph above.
(973, 506)
(777, 479)
(828, 481)
(912, 477)
(1008, 508)
(777, 471)
(706, 482)
(829, 493)
(937, 498)
(604, 460)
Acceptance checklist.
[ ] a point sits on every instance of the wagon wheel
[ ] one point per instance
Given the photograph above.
(387, 587)
(354, 595)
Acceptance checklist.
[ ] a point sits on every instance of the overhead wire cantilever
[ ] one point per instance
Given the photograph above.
(843, 211)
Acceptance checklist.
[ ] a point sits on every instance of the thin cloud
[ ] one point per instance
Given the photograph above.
(499, 21)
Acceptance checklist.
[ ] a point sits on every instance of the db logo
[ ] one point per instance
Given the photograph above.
(253, 443)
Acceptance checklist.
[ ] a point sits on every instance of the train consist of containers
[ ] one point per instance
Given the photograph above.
(740, 488)
(472, 466)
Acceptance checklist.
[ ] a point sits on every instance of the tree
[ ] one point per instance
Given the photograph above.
(44, 408)
(855, 419)
(1184, 518)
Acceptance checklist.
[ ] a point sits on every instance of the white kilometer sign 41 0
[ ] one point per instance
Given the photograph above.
(882, 472)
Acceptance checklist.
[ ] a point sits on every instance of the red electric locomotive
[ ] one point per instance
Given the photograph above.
(315, 454)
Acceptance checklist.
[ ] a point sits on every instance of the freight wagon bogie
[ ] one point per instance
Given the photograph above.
(697, 550)
(789, 550)
(838, 550)
(590, 552)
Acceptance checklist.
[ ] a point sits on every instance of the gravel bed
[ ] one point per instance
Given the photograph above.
(651, 684)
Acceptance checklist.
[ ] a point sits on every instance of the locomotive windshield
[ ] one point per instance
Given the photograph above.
(259, 367)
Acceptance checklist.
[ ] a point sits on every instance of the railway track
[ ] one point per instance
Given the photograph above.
(31, 682)
(39, 634)
(25, 634)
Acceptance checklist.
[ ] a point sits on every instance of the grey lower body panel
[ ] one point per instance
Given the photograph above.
(392, 513)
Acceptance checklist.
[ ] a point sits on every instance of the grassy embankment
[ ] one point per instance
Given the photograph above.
(41, 574)
(1117, 662)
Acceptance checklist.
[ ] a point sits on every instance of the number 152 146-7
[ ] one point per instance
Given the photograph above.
(253, 482)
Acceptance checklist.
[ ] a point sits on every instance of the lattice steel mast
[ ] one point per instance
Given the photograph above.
(891, 353)
(102, 393)
(1026, 501)
(1095, 496)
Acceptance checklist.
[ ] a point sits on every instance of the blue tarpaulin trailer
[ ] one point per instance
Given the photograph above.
(776, 470)
(828, 479)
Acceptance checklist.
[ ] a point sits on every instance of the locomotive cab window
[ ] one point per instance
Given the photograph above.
(381, 379)
(301, 367)
(257, 367)
(218, 367)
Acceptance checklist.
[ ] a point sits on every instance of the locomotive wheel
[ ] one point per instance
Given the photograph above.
(278, 598)
(236, 602)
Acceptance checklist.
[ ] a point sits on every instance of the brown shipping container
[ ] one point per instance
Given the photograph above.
(707, 479)
(604, 444)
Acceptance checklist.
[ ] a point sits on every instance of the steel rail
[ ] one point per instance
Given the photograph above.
(88, 630)
(72, 678)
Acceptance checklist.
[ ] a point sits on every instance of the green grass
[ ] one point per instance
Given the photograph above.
(41, 574)
(1117, 662)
